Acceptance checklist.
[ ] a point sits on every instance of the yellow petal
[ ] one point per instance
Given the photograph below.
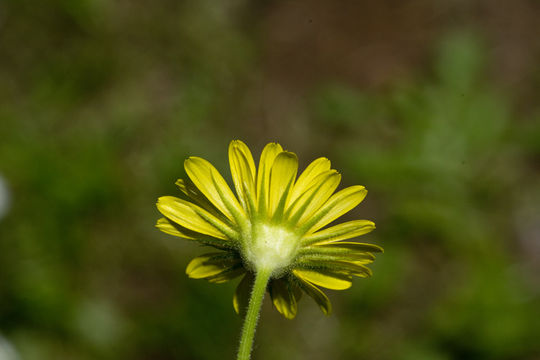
(171, 228)
(227, 275)
(212, 264)
(325, 279)
(320, 298)
(282, 176)
(355, 268)
(167, 227)
(242, 171)
(313, 170)
(366, 261)
(192, 192)
(313, 254)
(341, 267)
(321, 188)
(210, 182)
(194, 218)
(339, 204)
(352, 246)
(344, 231)
(283, 298)
(242, 293)
(266, 161)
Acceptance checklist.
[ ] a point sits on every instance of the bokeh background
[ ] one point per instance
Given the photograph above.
(432, 105)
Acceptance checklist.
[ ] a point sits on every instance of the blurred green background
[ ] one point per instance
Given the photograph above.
(432, 105)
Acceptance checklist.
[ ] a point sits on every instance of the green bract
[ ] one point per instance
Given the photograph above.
(274, 224)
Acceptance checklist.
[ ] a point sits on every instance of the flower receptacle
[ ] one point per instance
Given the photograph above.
(272, 248)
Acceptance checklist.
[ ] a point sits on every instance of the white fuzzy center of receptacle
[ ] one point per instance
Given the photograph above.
(272, 248)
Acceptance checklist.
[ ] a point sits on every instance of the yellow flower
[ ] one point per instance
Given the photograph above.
(276, 223)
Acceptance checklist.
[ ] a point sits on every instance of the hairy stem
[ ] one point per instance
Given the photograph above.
(250, 322)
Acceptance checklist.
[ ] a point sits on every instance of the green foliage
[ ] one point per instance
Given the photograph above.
(442, 155)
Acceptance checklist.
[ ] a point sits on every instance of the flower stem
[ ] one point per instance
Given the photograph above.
(250, 322)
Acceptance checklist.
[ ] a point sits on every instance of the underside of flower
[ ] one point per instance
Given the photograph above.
(271, 247)
(276, 223)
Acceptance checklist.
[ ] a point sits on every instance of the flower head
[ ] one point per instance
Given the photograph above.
(276, 222)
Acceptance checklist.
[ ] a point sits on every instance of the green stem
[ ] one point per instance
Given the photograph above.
(252, 315)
